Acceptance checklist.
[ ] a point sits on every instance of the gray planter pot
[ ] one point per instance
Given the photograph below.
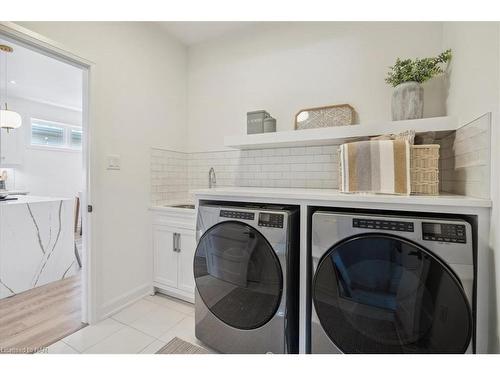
(407, 101)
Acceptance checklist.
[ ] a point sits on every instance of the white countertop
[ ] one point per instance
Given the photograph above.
(169, 207)
(19, 192)
(23, 199)
(331, 195)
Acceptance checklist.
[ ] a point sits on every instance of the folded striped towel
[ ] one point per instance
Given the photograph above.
(375, 167)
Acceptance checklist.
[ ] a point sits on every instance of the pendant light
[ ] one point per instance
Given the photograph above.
(8, 119)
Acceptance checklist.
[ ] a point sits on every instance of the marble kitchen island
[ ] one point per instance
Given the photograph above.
(36, 242)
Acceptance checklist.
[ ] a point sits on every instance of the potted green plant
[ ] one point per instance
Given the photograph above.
(406, 76)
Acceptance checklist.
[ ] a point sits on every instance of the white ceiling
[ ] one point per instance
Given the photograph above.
(191, 32)
(37, 77)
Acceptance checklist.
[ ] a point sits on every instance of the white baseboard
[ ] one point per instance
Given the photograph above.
(126, 299)
(176, 293)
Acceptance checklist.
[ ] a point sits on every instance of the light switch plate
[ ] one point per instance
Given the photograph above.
(114, 162)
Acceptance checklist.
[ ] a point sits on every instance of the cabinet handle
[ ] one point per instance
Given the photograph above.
(174, 243)
(176, 239)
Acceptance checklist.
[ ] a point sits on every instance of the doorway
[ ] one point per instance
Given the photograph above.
(46, 168)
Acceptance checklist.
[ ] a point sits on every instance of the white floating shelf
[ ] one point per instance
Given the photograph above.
(341, 134)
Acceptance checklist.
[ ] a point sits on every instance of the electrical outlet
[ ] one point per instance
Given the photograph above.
(114, 162)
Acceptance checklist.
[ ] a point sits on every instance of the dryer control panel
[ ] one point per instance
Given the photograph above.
(444, 232)
(237, 215)
(400, 226)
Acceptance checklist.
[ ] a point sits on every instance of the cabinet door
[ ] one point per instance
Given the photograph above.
(187, 247)
(11, 147)
(165, 258)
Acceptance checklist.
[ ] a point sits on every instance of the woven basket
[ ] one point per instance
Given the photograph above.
(424, 169)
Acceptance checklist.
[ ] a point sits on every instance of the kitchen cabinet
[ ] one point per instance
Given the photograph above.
(174, 245)
(11, 147)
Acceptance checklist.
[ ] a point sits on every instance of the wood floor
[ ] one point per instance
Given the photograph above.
(32, 320)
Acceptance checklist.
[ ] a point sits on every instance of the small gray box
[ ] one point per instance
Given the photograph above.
(270, 125)
(255, 121)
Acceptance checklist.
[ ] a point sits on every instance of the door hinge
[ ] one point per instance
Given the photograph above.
(89, 208)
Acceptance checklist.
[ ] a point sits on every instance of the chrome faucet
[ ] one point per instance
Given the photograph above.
(211, 178)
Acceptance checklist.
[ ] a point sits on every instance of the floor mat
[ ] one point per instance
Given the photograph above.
(179, 346)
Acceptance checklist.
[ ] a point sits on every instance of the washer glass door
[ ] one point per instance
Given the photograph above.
(238, 275)
(379, 293)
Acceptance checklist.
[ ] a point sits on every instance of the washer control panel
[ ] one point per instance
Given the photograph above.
(400, 226)
(444, 232)
(267, 219)
(237, 215)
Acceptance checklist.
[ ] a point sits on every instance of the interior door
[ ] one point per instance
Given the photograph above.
(187, 246)
(238, 275)
(165, 262)
(379, 293)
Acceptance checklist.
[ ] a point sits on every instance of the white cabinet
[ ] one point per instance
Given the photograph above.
(165, 256)
(11, 147)
(174, 244)
(186, 249)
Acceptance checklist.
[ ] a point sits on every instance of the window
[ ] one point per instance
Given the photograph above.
(55, 135)
(47, 135)
(76, 138)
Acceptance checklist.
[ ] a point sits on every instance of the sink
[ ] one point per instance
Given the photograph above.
(189, 206)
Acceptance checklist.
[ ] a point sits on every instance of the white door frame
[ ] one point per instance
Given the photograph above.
(41, 44)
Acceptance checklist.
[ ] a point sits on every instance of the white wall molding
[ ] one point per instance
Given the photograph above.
(120, 302)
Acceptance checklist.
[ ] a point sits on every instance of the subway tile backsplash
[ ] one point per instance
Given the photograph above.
(169, 176)
(464, 167)
(173, 174)
(465, 159)
(312, 167)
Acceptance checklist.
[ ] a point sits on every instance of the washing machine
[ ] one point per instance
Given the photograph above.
(391, 284)
(246, 269)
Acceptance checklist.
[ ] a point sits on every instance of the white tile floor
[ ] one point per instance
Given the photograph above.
(143, 327)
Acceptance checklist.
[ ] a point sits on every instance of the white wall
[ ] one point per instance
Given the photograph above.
(283, 67)
(47, 172)
(138, 100)
(473, 84)
(474, 89)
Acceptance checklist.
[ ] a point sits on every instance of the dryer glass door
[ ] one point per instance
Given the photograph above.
(238, 275)
(382, 294)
